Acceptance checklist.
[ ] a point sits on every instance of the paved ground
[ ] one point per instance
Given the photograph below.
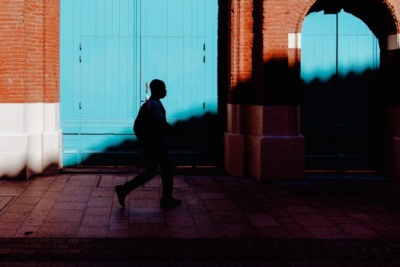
(74, 219)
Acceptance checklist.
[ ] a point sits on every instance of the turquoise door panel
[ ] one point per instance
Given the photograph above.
(173, 48)
(179, 47)
(358, 47)
(341, 109)
(110, 52)
(71, 149)
(318, 63)
(318, 47)
(107, 94)
(182, 69)
(70, 67)
(98, 77)
(107, 150)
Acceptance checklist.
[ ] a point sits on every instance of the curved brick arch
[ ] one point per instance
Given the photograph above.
(303, 7)
(383, 23)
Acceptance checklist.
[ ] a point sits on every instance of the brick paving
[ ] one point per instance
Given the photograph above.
(74, 219)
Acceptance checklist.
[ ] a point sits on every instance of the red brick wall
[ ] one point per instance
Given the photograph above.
(255, 76)
(259, 34)
(260, 59)
(275, 30)
(29, 51)
(242, 40)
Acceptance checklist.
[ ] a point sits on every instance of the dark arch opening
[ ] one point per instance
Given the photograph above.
(342, 104)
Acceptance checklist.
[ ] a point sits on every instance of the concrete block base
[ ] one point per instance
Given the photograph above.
(264, 157)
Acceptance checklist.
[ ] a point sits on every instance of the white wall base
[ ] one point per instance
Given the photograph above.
(393, 42)
(30, 139)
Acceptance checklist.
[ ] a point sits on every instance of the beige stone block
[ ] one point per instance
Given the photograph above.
(233, 153)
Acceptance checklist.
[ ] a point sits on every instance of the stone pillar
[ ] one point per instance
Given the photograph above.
(30, 135)
(263, 138)
(261, 142)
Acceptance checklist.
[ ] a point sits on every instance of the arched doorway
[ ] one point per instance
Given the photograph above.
(342, 107)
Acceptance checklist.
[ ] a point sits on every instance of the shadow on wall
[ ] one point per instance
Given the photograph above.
(358, 100)
(343, 118)
(343, 121)
(26, 172)
(273, 85)
(204, 146)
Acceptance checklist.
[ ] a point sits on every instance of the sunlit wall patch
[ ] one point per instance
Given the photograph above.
(393, 42)
(31, 139)
(294, 40)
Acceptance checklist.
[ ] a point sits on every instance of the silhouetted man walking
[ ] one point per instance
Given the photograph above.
(155, 149)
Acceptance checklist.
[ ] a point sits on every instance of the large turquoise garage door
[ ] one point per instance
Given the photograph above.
(110, 52)
(342, 112)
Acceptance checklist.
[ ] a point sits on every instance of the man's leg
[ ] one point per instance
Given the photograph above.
(167, 179)
(140, 179)
(152, 162)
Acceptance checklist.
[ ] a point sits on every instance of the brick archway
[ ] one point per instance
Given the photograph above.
(263, 138)
(385, 26)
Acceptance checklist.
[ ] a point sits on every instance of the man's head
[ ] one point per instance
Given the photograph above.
(158, 89)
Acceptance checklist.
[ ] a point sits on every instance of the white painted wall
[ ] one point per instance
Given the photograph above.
(30, 139)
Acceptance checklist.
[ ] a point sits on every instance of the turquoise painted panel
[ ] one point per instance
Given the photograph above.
(70, 68)
(110, 50)
(72, 149)
(318, 47)
(153, 17)
(355, 49)
(108, 61)
(108, 99)
(109, 150)
(358, 47)
(181, 58)
(210, 10)
(126, 18)
(88, 17)
(179, 62)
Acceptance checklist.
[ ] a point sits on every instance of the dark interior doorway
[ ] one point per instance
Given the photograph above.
(342, 111)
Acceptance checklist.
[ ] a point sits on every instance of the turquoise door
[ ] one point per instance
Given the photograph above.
(110, 51)
(341, 107)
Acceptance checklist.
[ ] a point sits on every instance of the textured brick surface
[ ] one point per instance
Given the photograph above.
(29, 51)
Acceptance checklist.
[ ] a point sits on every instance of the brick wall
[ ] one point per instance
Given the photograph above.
(29, 51)
(260, 57)
(242, 39)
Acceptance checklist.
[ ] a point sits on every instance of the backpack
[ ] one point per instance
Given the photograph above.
(141, 125)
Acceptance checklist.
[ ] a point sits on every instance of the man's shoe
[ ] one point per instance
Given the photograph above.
(119, 189)
(171, 202)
